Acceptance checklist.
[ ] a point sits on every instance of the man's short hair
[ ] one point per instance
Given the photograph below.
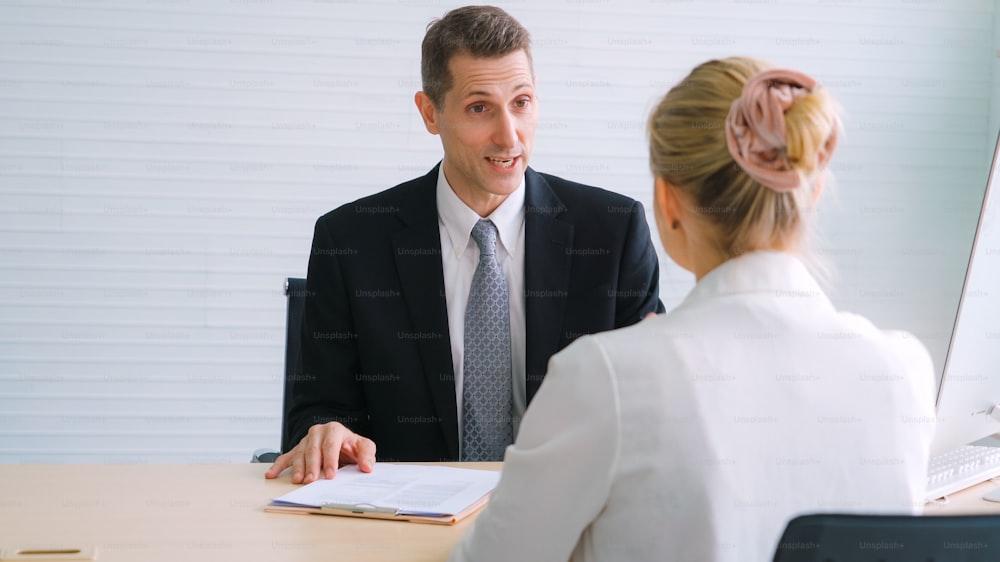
(480, 31)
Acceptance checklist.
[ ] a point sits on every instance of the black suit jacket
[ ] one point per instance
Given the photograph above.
(376, 353)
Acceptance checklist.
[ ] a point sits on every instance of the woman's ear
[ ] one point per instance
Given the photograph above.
(669, 215)
(818, 187)
(668, 207)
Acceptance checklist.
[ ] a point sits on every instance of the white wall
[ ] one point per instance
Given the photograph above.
(162, 163)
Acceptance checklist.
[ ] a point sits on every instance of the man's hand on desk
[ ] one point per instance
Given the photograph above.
(325, 448)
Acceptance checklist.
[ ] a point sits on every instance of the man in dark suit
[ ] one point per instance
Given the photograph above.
(433, 308)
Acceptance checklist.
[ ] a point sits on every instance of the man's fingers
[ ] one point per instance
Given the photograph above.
(298, 466)
(320, 454)
(313, 458)
(364, 454)
(331, 454)
(361, 451)
(280, 464)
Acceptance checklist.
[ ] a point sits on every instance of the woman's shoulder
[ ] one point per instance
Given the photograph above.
(899, 343)
(637, 339)
(642, 354)
(668, 342)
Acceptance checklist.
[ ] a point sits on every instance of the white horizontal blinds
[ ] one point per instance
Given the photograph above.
(162, 164)
(915, 80)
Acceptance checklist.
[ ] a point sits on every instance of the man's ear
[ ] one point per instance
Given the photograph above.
(428, 111)
(668, 206)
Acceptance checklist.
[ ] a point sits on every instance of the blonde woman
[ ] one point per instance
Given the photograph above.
(696, 435)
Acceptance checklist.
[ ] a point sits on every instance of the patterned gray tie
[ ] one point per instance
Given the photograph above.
(486, 389)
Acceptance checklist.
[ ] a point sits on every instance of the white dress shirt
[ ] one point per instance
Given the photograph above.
(459, 258)
(698, 434)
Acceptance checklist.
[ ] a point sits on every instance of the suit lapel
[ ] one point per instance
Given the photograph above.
(547, 260)
(418, 263)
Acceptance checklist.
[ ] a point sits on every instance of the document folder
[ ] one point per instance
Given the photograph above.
(420, 494)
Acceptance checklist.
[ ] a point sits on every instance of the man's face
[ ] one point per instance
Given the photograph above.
(486, 121)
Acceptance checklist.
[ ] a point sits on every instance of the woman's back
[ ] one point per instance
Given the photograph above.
(699, 434)
(752, 402)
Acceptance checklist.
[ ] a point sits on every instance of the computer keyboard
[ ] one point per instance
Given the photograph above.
(963, 467)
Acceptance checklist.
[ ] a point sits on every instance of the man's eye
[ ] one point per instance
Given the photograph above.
(522, 103)
(477, 108)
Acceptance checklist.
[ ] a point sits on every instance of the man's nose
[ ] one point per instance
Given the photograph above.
(505, 133)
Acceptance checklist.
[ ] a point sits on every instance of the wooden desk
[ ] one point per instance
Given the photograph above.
(195, 512)
(190, 513)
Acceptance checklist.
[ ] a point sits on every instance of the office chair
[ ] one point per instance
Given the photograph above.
(295, 292)
(890, 538)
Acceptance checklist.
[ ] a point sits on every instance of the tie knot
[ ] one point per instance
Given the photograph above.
(485, 235)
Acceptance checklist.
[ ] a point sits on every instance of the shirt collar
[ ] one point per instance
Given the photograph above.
(459, 219)
(779, 274)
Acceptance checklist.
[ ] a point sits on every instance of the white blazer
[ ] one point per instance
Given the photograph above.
(698, 434)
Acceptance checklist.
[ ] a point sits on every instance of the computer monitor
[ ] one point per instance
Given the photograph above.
(970, 383)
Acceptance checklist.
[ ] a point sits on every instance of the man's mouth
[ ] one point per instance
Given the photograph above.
(502, 162)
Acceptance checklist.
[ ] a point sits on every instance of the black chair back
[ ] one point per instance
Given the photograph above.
(890, 538)
(295, 290)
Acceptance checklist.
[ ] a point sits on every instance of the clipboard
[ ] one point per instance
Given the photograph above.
(374, 512)
(416, 493)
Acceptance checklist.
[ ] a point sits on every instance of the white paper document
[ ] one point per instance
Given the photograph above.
(432, 491)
